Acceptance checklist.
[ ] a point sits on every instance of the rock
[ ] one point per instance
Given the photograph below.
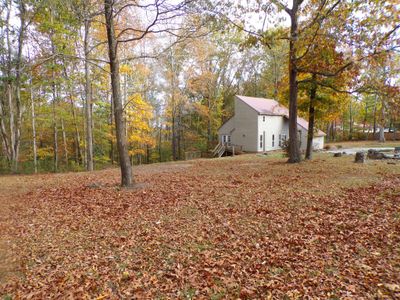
(391, 163)
(360, 157)
(337, 154)
(374, 154)
(396, 152)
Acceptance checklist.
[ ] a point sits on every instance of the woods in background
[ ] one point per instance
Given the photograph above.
(85, 84)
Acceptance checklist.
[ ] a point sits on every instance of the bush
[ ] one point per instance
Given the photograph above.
(285, 147)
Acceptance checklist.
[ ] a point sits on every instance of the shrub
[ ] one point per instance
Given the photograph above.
(285, 147)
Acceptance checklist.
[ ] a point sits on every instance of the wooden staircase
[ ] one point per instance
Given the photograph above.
(219, 150)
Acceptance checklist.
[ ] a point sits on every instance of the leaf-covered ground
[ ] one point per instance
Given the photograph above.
(249, 227)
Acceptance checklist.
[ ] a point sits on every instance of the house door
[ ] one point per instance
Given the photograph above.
(264, 141)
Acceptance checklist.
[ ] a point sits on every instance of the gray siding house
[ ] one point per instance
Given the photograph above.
(260, 125)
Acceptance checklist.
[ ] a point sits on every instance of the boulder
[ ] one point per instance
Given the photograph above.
(374, 154)
(397, 152)
(360, 157)
(337, 154)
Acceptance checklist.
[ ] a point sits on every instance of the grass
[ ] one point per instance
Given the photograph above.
(249, 227)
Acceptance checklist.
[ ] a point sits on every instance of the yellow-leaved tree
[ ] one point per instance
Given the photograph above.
(139, 114)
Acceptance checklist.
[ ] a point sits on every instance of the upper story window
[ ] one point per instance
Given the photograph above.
(273, 140)
(263, 118)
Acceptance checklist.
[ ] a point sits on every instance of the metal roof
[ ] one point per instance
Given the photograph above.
(272, 107)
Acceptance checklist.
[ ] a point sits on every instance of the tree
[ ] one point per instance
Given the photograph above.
(162, 13)
(126, 168)
(12, 82)
(86, 11)
(140, 137)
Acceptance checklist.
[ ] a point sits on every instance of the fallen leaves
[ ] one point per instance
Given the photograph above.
(260, 230)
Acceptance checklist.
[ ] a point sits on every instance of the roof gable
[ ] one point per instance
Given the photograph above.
(272, 107)
(263, 105)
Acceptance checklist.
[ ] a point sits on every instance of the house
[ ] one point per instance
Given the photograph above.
(260, 125)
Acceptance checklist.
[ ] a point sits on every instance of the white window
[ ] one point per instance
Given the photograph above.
(229, 138)
(261, 141)
(263, 118)
(224, 138)
(280, 140)
(273, 140)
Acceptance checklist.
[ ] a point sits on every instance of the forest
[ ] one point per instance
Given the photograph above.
(105, 103)
(86, 84)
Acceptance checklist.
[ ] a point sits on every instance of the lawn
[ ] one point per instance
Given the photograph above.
(248, 227)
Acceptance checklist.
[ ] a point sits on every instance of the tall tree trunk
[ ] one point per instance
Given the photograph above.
(147, 154)
(294, 149)
(159, 144)
(125, 100)
(4, 137)
(276, 79)
(64, 136)
(209, 126)
(112, 132)
(311, 117)
(382, 125)
(351, 121)
(375, 111)
(125, 164)
(173, 129)
(33, 116)
(18, 104)
(334, 125)
(365, 119)
(179, 136)
(12, 126)
(77, 138)
(55, 133)
(88, 101)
